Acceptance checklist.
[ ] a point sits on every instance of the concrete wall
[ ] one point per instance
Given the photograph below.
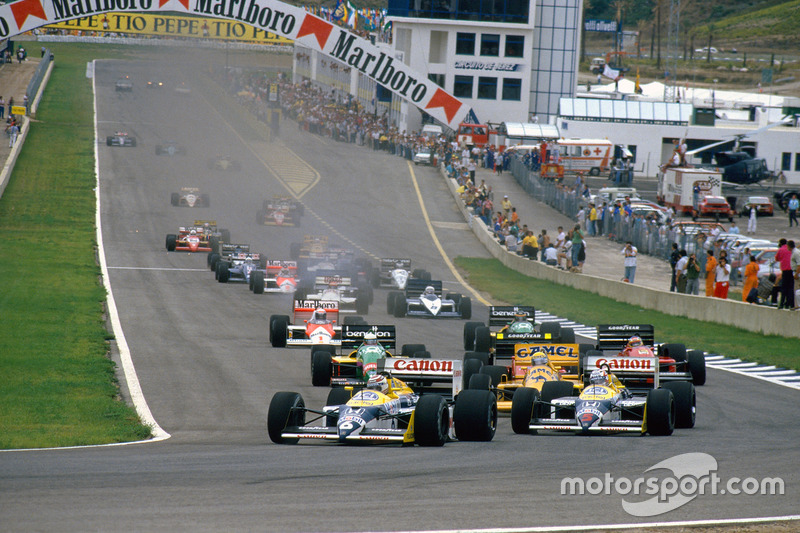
(750, 317)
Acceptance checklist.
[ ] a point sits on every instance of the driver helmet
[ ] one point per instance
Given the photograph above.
(429, 290)
(520, 316)
(599, 377)
(206, 226)
(370, 339)
(378, 382)
(539, 358)
(193, 232)
(635, 342)
(320, 315)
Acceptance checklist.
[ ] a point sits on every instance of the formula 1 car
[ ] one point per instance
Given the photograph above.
(170, 148)
(332, 287)
(224, 163)
(237, 264)
(190, 197)
(424, 298)
(608, 404)
(280, 211)
(183, 89)
(277, 276)
(124, 85)
(357, 358)
(675, 362)
(395, 273)
(314, 323)
(155, 84)
(387, 411)
(203, 236)
(121, 138)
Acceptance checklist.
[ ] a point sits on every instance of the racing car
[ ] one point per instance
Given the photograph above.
(190, 197)
(170, 148)
(224, 163)
(387, 410)
(395, 273)
(183, 89)
(676, 363)
(155, 84)
(313, 323)
(608, 403)
(121, 138)
(333, 287)
(277, 276)
(361, 347)
(236, 263)
(203, 236)
(280, 211)
(424, 298)
(124, 85)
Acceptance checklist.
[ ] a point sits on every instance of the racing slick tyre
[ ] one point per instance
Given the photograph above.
(696, 361)
(362, 304)
(322, 348)
(425, 275)
(554, 328)
(465, 307)
(211, 260)
(375, 279)
(110, 141)
(685, 399)
(400, 307)
(286, 409)
(278, 326)
(417, 273)
(205, 200)
(495, 372)
(337, 396)
(431, 420)
(456, 297)
(522, 404)
(258, 282)
(480, 381)
(223, 273)
(552, 390)
(391, 300)
(320, 368)
(354, 320)
(408, 350)
(660, 412)
(260, 218)
(471, 368)
(366, 290)
(483, 339)
(469, 334)
(567, 336)
(422, 354)
(262, 261)
(475, 415)
(172, 242)
(225, 235)
(213, 243)
(483, 357)
(673, 351)
(175, 198)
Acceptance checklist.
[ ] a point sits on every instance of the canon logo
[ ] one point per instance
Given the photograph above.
(422, 365)
(625, 363)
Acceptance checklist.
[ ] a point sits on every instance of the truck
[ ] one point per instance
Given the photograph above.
(580, 156)
(470, 135)
(676, 187)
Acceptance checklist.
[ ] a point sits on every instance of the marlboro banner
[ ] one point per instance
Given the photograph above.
(171, 26)
(277, 18)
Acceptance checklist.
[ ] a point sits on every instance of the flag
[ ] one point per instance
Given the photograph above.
(340, 13)
(609, 72)
(637, 88)
(387, 26)
(352, 15)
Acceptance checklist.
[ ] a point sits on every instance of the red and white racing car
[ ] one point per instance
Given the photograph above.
(315, 323)
(279, 276)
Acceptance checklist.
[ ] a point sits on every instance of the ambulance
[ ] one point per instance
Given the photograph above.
(585, 156)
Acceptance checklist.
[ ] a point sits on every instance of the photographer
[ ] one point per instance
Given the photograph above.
(692, 276)
(722, 278)
(629, 252)
(679, 270)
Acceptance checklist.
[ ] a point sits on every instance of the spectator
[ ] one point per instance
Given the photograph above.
(793, 206)
(592, 220)
(511, 242)
(530, 246)
(768, 291)
(784, 258)
(674, 257)
(2, 107)
(544, 240)
(752, 222)
(750, 281)
(711, 268)
(692, 275)
(551, 257)
(722, 275)
(734, 228)
(581, 217)
(13, 131)
(577, 244)
(679, 272)
(629, 252)
(506, 205)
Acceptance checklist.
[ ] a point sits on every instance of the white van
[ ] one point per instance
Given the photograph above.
(432, 130)
(612, 194)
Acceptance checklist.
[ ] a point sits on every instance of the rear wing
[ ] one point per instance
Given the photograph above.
(353, 336)
(277, 265)
(500, 315)
(190, 190)
(415, 287)
(631, 371)
(331, 279)
(212, 223)
(304, 309)
(389, 263)
(615, 336)
(505, 342)
(425, 372)
(230, 250)
(563, 357)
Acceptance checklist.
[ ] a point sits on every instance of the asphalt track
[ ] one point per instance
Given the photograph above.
(207, 372)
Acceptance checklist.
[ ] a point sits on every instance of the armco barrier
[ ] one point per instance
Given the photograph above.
(750, 317)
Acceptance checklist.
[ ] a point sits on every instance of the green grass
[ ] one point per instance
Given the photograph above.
(504, 284)
(58, 386)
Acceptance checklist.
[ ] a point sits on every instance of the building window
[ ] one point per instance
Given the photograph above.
(490, 44)
(786, 161)
(515, 45)
(465, 44)
(796, 162)
(487, 88)
(512, 89)
(462, 87)
(438, 79)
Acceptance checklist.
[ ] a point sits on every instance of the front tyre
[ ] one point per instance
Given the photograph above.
(660, 412)
(431, 421)
(475, 415)
(522, 404)
(287, 409)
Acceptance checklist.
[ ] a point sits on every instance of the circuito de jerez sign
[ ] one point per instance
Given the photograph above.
(282, 20)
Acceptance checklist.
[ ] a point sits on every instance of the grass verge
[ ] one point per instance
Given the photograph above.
(58, 386)
(504, 284)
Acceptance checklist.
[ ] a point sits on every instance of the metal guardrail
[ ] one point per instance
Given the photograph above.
(38, 76)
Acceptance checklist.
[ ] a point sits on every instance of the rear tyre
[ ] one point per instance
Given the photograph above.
(495, 372)
(408, 350)
(522, 404)
(483, 339)
(469, 334)
(696, 361)
(390, 302)
(465, 307)
(175, 198)
(431, 421)
(278, 329)
(287, 409)
(553, 328)
(660, 412)
(172, 242)
(674, 351)
(206, 200)
(475, 415)
(480, 381)
(354, 320)
(337, 396)
(362, 304)
(471, 368)
(483, 357)
(223, 273)
(685, 399)
(400, 306)
(567, 336)
(321, 368)
(552, 390)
